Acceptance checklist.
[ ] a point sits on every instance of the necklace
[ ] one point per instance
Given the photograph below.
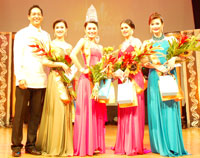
(127, 43)
(158, 38)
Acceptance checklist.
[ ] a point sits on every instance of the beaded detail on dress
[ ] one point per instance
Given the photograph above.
(158, 38)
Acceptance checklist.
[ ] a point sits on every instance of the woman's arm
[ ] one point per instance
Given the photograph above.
(171, 62)
(52, 64)
(75, 52)
(101, 48)
(147, 61)
(137, 43)
(152, 61)
(69, 50)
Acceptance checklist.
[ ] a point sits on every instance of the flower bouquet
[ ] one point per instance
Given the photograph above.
(131, 62)
(56, 54)
(183, 48)
(100, 74)
(126, 64)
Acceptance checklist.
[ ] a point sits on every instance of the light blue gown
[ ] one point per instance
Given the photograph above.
(164, 117)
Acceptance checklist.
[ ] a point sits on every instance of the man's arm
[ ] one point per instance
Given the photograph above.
(19, 60)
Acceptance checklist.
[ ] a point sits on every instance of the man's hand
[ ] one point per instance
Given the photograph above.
(22, 84)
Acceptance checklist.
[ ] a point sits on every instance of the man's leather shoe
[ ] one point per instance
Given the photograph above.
(16, 153)
(32, 151)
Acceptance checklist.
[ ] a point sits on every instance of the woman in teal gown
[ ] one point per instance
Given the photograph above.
(164, 117)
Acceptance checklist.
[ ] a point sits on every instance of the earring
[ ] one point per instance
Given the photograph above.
(132, 32)
(97, 39)
(85, 36)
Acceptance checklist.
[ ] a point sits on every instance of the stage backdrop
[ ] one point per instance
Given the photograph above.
(177, 14)
(191, 78)
(5, 77)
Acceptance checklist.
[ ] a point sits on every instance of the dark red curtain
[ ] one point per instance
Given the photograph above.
(196, 12)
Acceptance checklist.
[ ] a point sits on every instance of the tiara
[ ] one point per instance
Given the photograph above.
(91, 14)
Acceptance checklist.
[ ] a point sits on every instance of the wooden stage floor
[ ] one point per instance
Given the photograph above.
(191, 141)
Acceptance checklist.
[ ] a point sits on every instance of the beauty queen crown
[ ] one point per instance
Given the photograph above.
(91, 14)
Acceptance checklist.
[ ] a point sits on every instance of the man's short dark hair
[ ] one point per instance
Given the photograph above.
(34, 6)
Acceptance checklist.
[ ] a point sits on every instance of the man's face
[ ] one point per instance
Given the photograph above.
(35, 17)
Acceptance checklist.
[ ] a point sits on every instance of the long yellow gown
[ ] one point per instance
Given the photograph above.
(55, 137)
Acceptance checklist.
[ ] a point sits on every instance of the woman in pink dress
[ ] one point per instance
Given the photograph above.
(131, 120)
(89, 118)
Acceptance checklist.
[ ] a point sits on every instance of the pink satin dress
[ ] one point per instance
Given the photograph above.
(131, 121)
(89, 126)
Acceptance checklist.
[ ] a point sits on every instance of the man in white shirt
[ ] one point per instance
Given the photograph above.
(31, 82)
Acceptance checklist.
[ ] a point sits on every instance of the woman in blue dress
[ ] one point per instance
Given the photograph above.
(164, 117)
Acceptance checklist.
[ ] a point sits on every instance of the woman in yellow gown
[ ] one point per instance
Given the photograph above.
(55, 134)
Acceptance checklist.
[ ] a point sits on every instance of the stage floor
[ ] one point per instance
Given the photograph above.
(191, 141)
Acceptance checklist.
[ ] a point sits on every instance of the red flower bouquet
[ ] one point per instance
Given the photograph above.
(183, 48)
(56, 54)
(102, 70)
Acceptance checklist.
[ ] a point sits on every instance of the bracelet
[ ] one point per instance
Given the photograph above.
(69, 86)
(82, 69)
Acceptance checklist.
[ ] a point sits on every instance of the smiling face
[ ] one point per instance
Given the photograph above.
(91, 30)
(35, 17)
(60, 30)
(126, 30)
(156, 26)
